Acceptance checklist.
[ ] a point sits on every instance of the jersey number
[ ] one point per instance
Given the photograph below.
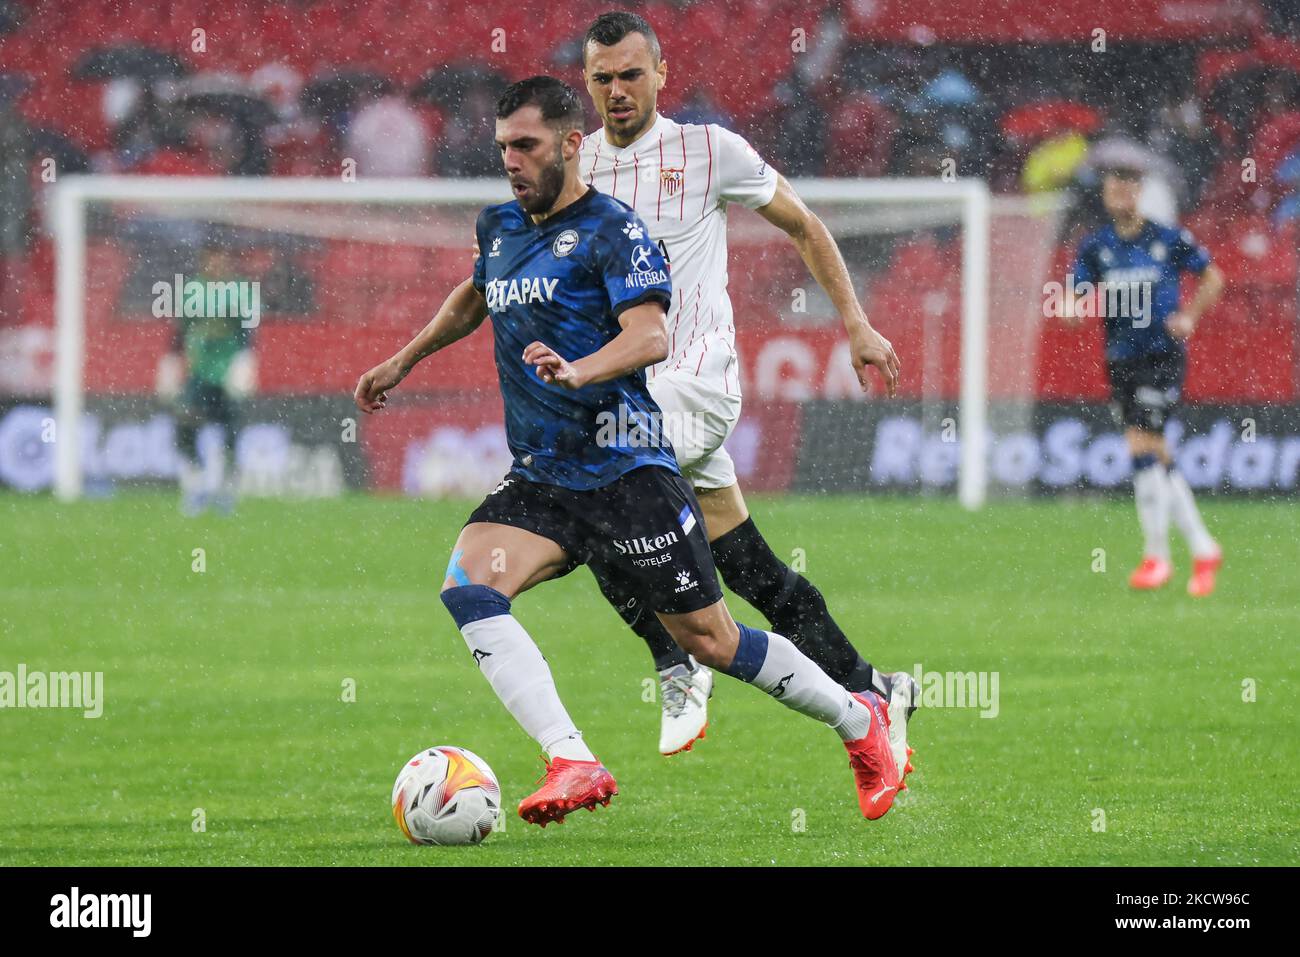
(663, 250)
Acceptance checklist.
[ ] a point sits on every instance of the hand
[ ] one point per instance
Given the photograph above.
(1180, 325)
(372, 388)
(171, 372)
(869, 348)
(241, 377)
(552, 367)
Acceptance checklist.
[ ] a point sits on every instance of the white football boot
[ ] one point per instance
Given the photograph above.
(684, 698)
(904, 695)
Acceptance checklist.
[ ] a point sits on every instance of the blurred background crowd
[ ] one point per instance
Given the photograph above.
(1026, 96)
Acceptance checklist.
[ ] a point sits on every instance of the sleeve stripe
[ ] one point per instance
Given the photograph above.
(681, 209)
(664, 298)
(660, 197)
(708, 182)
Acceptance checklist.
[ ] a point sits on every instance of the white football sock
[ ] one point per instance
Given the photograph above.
(514, 666)
(791, 677)
(1151, 490)
(191, 478)
(214, 471)
(1188, 517)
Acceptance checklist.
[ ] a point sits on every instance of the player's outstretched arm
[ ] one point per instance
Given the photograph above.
(461, 313)
(643, 342)
(821, 254)
(1208, 290)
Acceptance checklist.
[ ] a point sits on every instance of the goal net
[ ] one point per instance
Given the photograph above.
(329, 277)
(955, 279)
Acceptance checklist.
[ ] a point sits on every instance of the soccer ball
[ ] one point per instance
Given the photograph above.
(446, 795)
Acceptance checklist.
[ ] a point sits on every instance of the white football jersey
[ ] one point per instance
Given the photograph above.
(680, 178)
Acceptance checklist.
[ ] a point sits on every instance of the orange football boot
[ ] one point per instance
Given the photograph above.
(569, 786)
(1152, 573)
(1203, 571)
(874, 771)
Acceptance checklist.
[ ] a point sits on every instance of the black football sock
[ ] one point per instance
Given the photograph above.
(187, 435)
(793, 606)
(620, 593)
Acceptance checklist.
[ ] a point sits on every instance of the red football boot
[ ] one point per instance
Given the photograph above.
(1203, 571)
(874, 770)
(569, 786)
(1152, 573)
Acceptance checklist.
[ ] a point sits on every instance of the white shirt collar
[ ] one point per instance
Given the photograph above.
(648, 136)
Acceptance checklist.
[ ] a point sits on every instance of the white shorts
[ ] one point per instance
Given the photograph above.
(698, 417)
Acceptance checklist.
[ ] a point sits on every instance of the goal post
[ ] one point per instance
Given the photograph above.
(404, 213)
(74, 193)
(971, 196)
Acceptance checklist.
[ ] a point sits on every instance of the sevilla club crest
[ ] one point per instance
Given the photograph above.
(671, 180)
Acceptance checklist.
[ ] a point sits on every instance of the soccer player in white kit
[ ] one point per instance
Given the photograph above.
(680, 178)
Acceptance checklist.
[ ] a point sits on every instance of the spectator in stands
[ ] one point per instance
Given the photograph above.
(1283, 17)
(468, 148)
(1181, 135)
(387, 137)
(131, 114)
(700, 107)
(170, 151)
(229, 147)
(799, 139)
(297, 143)
(1052, 164)
(954, 102)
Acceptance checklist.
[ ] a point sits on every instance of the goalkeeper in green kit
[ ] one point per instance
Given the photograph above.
(206, 373)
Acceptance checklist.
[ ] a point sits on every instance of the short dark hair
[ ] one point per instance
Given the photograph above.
(558, 102)
(1131, 173)
(609, 28)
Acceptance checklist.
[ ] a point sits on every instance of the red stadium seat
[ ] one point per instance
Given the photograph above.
(1249, 250)
(1276, 137)
(1244, 350)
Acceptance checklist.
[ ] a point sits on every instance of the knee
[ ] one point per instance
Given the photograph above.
(458, 576)
(710, 645)
(711, 655)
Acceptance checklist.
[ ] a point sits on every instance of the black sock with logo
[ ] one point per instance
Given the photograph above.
(793, 606)
(640, 618)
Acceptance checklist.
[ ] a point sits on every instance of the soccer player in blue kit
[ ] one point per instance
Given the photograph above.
(1134, 267)
(578, 299)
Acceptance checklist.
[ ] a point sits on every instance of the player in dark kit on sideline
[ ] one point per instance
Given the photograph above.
(578, 298)
(1132, 268)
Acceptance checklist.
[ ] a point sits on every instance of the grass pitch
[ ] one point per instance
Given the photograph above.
(224, 692)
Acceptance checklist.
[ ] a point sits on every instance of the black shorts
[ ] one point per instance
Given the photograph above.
(1146, 390)
(201, 402)
(647, 523)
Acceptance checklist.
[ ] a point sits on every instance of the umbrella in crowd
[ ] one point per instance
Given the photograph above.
(448, 86)
(129, 60)
(241, 108)
(336, 93)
